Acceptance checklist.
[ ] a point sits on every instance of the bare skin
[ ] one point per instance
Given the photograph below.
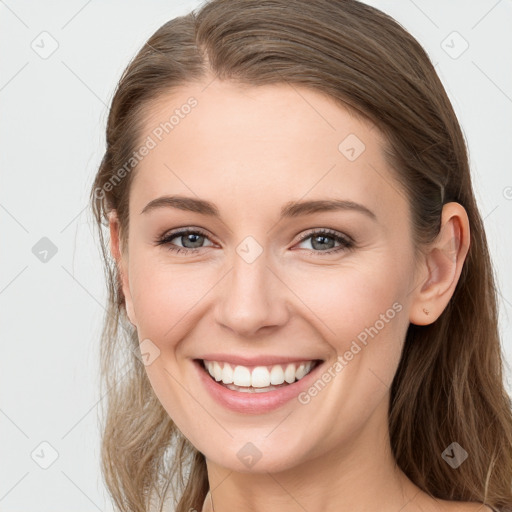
(251, 150)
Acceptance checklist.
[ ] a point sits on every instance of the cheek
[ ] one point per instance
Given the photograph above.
(360, 311)
(358, 303)
(166, 298)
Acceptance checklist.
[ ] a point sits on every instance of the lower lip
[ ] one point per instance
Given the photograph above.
(254, 403)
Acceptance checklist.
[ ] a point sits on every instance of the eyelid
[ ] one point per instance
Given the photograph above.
(179, 231)
(164, 239)
(326, 231)
(346, 242)
(304, 235)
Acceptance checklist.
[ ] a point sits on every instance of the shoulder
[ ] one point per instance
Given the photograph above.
(440, 505)
(465, 506)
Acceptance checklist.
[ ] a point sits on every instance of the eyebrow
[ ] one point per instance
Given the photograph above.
(289, 210)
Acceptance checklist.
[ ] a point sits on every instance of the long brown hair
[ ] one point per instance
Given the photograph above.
(449, 383)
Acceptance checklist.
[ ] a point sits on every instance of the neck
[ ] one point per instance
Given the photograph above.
(358, 475)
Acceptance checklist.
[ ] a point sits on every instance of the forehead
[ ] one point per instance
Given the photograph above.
(224, 140)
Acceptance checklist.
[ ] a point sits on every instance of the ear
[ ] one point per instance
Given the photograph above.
(441, 266)
(121, 259)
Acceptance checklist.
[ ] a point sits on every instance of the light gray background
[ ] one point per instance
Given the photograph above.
(53, 113)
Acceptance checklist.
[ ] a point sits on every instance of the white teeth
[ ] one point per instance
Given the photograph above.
(276, 375)
(261, 376)
(227, 374)
(300, 371)
(217, 371)
(241, 376)
(289, 374)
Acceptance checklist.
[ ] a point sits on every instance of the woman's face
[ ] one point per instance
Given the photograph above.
(262, 282)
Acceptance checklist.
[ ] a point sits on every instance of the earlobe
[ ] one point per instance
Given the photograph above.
(442, 266)
(121, 264)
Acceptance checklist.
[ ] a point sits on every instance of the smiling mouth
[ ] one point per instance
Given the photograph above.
(259, 379)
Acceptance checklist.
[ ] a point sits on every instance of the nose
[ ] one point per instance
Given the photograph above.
(252, 297)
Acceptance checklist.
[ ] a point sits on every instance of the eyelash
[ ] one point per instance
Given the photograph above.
(346, 243)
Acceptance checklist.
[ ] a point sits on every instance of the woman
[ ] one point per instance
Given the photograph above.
(299, 275)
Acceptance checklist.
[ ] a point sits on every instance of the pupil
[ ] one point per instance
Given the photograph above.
(187, 237)
(321, 237)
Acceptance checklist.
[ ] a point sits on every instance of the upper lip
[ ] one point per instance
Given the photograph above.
(262, 360)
